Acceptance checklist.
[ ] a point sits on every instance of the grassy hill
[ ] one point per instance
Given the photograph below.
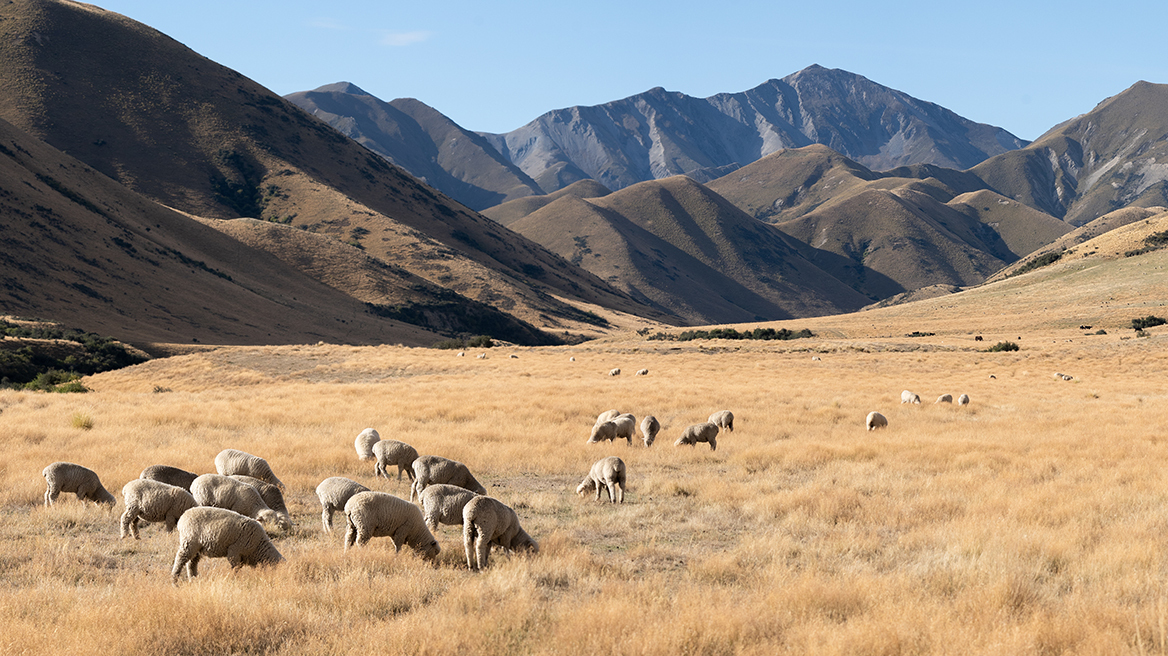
(513, 210)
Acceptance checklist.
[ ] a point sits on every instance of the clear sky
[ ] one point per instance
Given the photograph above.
(493, 66)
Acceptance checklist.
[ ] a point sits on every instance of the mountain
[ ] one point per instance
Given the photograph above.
(513, 210)
(659, 133)
(419, 139)
(1111, 157)
(193, 135)
(675, 244)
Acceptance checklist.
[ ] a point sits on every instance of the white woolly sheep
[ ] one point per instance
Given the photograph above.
(944, 398)
(614, 372)
(429, 470)
(442, 504)
(723, 419)
(481, 356)
(602, 431)
(908, 397)
(392, 452)
(461, 354)
(572, 359)
(169, 475)
(513, 356)
(333, 493)
(876, 420)
(70, 477)
(364, 443)
(380, 515)
(153, 501)
(226, 492)
(642, 372)
(607, 415)
(488, 522)
(626, 427)
(271, 495)
(963, 399)
(706, 432)
(232, 461)
(649, 429)
(608, 473)
(221, 533)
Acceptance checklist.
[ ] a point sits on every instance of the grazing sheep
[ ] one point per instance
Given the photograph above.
(723, 419)
(232, 461)
(393, 452)
(226, 492)
(707, 432)
(221, 533)
(815, 358)
(944, 398)
(642, 372)
(271, 495)
(429, 470)
(461, 354)
(607, 415)
(963, 399)
(169, 475)
(486, 522)
(876, 420)
(614, 372)
(513, 356)
(481, 356)
(364, 443)
(442, 504)
(602, 432)
(70, 477)
(153, 501)
(333, 493)
(608, 473)
(626, 427)
(649, 429)
(380, 515)
(908, 397)
(572, 359)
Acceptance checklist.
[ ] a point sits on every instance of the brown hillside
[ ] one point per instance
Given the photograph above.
(513, 210)
(1022, 228)
(157, 117)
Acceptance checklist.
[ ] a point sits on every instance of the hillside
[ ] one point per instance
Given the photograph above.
(191, 134)
(513, 210)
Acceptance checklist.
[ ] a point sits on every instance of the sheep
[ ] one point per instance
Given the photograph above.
(944, 398)
(723, 419)
(963, 399)
(461, 354)
(429, 470)
(649, 429)
(876, 420)
(364, 443)
(226, 492)
(232, 461)
(608, 473)
(379, 514)
(642, 372)
(393, 452)
(333, 493)
(626, 427)
(169, 475)
(487, 521)
(513, 356)
(601, 432)
(442, 504)
(221, 533)
(71, 477)
(614, 372)
(481, 356)
(572, 359)
(815, 358)
(908, 397)
(607, 415)
(271, 495)
(707, 432)
(153, 501)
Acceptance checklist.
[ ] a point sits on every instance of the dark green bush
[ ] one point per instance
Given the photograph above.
(731, 333)
(1002, 346)
(1147, 322)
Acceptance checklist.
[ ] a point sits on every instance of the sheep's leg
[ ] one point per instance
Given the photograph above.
(468, 538)
(597, 486)
(713, 444)
(608, 485)
(350, 535)
(181, 560)
(326, 518)
(193, 565)
(130, 522)
(482, 550)
(621, 487)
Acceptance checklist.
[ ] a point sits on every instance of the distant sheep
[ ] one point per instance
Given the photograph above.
(392, 452)
(723, 419)
(572, 359)
(333, 493)
(608, 473)
(487, 522)
(233, 461)
(460, 354)
(82, 481)
(169, 475)
(944, 398)
(607, 415)
(382, 515)
(706, 432)
(443, 504)
(642, 372)
(153, 501)
(614, 372)
(271, 495)
(429, 470)
(626, 427)
(481, 356)
(513, 356)
(364, 443)
(908, 397)
(226, 492)
(221, 533)
(1059, 376)
(815, 358)
(963, 399)
(649, 429)
(876, 420)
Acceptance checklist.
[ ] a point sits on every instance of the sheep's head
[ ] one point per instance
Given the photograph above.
(429, 549)
(585, 487)
(524, 543)
(269, 516)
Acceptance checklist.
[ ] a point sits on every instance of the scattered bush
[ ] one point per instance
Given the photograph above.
(730, 333)
(1148, 322)
(1039, 262)
(917, 333)
(37, 367)
(82, 421)
(1002, 346)
(482, 341)
(1152, 242)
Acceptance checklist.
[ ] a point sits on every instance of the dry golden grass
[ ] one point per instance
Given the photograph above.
(1031, 522)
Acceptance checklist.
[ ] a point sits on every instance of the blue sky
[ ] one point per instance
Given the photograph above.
(1024, 66)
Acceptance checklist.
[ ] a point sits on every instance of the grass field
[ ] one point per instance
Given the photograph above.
(1031, 522)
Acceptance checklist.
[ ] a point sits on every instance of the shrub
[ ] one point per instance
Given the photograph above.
(82, 421)
(1147, 322)
(1038, 262)
(731, 333)
(1002, 346)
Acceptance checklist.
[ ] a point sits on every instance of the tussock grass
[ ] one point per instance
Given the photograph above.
(1031, 522)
